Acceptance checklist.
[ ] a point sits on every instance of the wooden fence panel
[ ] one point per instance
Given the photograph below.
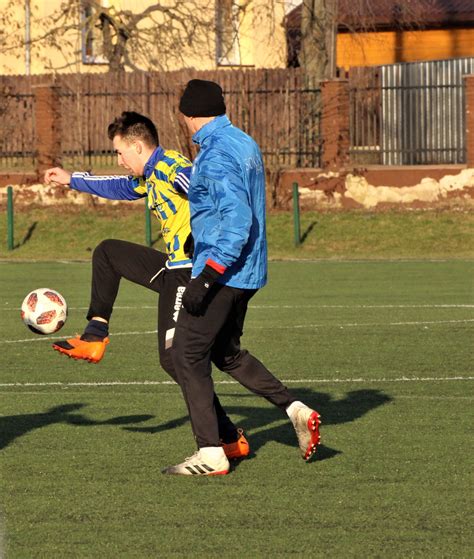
(268, 104)
(17, 127)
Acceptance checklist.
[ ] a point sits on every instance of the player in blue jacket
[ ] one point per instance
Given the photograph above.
(227, 201)
(162, 177)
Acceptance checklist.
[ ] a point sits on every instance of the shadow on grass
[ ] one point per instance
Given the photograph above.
(351, 407)
(154, 429)
(14, 426)
(27, 236)
(268, 420)
(310, 227)
(261, 424)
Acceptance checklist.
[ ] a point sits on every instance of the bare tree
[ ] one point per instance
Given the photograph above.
(166, 35)
(318, 38)
(322, 19)
(160, 37)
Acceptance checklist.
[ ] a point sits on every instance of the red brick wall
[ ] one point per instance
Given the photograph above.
(469, 80)
(48, 127)
(335, 124)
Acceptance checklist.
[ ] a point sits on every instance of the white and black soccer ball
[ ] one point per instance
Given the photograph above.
(44, 311)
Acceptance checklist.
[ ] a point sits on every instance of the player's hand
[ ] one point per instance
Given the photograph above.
(57, 176)
(197, 290)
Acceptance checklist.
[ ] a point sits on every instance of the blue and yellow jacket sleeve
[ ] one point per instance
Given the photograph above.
(111, 187)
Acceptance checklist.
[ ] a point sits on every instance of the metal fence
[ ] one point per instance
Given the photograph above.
(409, 114)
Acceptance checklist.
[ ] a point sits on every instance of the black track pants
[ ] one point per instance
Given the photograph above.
(113, 260)
(215, 336)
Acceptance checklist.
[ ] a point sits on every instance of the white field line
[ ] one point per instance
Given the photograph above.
(447, 306)
(284, 381)
(264, 307)
(39, 392)
(290, 327)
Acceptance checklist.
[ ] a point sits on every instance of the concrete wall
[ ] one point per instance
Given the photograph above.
(380, 188)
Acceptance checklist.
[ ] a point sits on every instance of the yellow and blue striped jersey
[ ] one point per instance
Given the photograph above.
(165, 185)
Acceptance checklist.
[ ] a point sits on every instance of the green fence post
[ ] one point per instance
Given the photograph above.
(147, 225)
(296, 214)
(10, 217)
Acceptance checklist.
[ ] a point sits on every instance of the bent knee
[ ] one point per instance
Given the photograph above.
(104, 247)
(228, 362)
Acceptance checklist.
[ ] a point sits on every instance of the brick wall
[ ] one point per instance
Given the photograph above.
(48, 127)
(335, 124)
(469, 81)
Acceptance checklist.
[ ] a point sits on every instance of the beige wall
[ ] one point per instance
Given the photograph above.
(44, 57)
(261, 38)
(262, 35)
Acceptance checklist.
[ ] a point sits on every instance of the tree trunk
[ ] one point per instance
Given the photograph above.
(114, 52)
(318, 39)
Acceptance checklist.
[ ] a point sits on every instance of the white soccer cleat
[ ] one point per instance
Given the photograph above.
(200, 464)
(306, 423)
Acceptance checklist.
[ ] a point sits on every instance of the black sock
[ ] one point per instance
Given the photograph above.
(95, 331)
(230, 436)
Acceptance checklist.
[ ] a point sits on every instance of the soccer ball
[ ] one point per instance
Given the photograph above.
(44, 311)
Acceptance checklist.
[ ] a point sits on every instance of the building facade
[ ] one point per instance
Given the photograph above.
(97, 35)
(389, 31)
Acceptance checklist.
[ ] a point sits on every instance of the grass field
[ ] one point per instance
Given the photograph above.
(66, 232)
(382, 349)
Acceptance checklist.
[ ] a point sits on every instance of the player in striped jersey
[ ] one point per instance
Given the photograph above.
(164, 182)
(162, 177)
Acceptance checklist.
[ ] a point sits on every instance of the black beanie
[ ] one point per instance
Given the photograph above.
(202, 98)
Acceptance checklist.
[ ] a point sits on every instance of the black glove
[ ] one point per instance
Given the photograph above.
(198, 288)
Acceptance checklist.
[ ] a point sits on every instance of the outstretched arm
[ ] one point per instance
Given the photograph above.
(114, 187)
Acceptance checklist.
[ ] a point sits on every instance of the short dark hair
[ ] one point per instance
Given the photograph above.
(134, 126)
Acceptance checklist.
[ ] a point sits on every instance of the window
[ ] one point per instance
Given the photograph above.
(227, 33)
(92, 41)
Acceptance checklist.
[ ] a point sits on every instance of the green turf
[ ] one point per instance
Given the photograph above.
(359, 341)
(45, 233)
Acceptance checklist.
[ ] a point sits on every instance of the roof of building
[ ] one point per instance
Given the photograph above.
(385, 14)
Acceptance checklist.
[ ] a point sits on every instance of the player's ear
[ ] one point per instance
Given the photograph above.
(139, 146)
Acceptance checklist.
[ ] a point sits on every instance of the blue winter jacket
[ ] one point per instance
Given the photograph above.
(227, 200)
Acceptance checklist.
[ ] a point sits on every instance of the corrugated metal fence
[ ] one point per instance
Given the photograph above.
(409, 114)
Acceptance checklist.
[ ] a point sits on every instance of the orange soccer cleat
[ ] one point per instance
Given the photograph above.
(82, 349)
(239, 449)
